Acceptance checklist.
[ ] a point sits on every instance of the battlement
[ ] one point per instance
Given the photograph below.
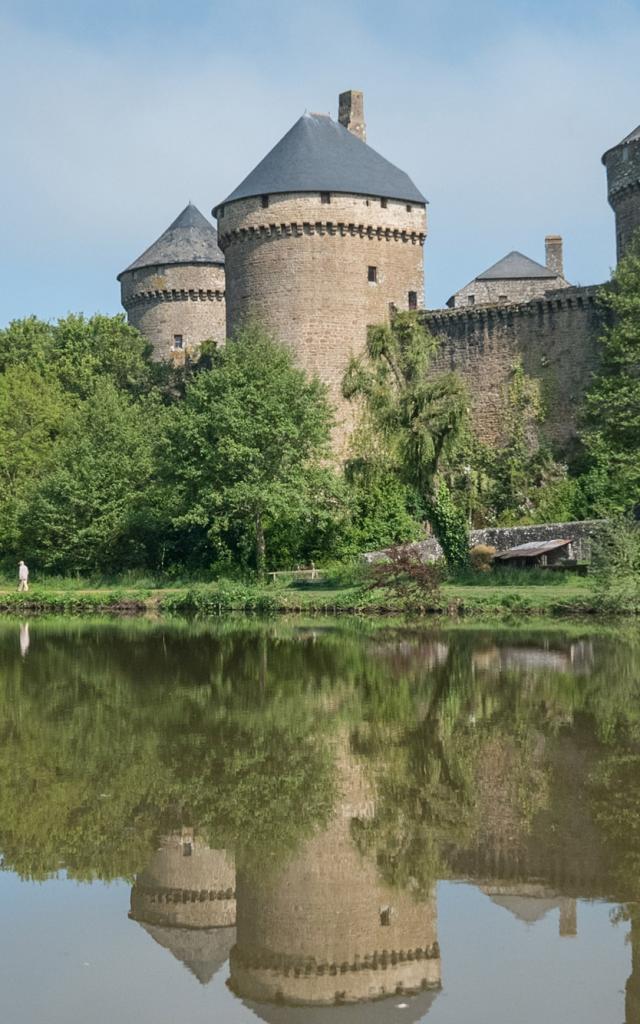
(553, 301)
(297, 229)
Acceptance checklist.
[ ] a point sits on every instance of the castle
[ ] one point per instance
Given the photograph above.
(325, 237)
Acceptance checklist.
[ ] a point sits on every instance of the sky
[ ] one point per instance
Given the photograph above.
(115, 114)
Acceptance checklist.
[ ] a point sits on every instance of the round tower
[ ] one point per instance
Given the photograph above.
(185, 899)
(322, 239)
(174, 292)
(623, 186)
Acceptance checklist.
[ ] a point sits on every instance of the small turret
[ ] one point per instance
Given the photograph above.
(174, 293)
(623, 187)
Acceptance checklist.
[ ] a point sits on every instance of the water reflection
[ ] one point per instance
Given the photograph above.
(288, 799)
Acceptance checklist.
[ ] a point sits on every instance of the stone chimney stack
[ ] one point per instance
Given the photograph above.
(351, 113)
(553, 254)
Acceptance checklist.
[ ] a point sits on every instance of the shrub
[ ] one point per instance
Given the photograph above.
(616, 566)
(481, 557)
(414, 582)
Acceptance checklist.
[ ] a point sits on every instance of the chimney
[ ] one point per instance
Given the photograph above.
(351, 113)
(553, 254)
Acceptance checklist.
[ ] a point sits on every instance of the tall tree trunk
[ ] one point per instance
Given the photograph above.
(261, 551)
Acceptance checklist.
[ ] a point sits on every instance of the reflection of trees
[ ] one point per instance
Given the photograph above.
(489, 753)
(506, 768)
(102, 749)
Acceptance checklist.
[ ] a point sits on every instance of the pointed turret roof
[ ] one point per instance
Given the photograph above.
(633, 136)
(319, 155)
(515, 266)
(191, 238)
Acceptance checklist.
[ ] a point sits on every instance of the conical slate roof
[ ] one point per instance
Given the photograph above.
(319, 155)
(515, 267)
(190, 239)
(203, 951)
(633, 136)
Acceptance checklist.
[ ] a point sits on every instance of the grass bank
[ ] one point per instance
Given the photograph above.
(337, 594)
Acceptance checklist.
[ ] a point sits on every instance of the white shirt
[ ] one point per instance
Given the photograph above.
(23, 572)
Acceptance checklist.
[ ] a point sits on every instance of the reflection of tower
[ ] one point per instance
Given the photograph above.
(326, 930)
(632, 991)
(531, 901)
(185, 899)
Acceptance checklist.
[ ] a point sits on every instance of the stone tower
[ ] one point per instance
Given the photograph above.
(320, 240)
(174, 292)
(623, 186)
(185, 899)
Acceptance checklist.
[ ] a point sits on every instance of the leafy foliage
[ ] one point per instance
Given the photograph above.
(616, 566)
(419, 415)
(243, 451)
(611, 430)
(408, 577)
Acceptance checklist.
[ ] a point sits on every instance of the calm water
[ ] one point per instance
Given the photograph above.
(235, 822)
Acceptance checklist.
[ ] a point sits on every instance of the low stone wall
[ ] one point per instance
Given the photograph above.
(504, 537)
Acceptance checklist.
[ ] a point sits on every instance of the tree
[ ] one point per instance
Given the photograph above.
(85, 511)
(78, 352)
(33, 412)
(611, 417)
(420, 415)
(244, 452)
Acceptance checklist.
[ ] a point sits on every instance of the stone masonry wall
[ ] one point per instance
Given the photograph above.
(557, 339)
(502, 538)
(492, 292)
(300, 266)
(186, 300)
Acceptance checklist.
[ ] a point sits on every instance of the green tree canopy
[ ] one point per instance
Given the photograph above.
(244, 452)
(611, 430)
(420, 415)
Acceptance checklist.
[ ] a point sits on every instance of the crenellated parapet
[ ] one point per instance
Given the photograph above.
(174, 295)
(297, 229)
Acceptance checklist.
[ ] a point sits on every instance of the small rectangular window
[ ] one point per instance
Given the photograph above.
(372, 274)
(385, 916)
(383, 203)
(187, 849)
(471, 300)
(409, 207)
(325, 197)
(502, 298)
(413, 300)
(177, 341)
(265, 201)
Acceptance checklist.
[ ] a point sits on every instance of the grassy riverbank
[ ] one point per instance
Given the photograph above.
(337, 594)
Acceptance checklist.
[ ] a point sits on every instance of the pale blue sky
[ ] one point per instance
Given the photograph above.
(115, 114)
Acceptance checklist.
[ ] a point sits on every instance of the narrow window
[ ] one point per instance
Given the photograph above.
(471, 300)
(372, 274)
(413, 300)
(221, 212)
(177, 341)
(265, 201)
(383, 203)
(187, 849)
(409, 207)
(385, 916)
(325, 197)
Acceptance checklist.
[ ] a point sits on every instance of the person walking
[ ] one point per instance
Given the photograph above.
(23, 577)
